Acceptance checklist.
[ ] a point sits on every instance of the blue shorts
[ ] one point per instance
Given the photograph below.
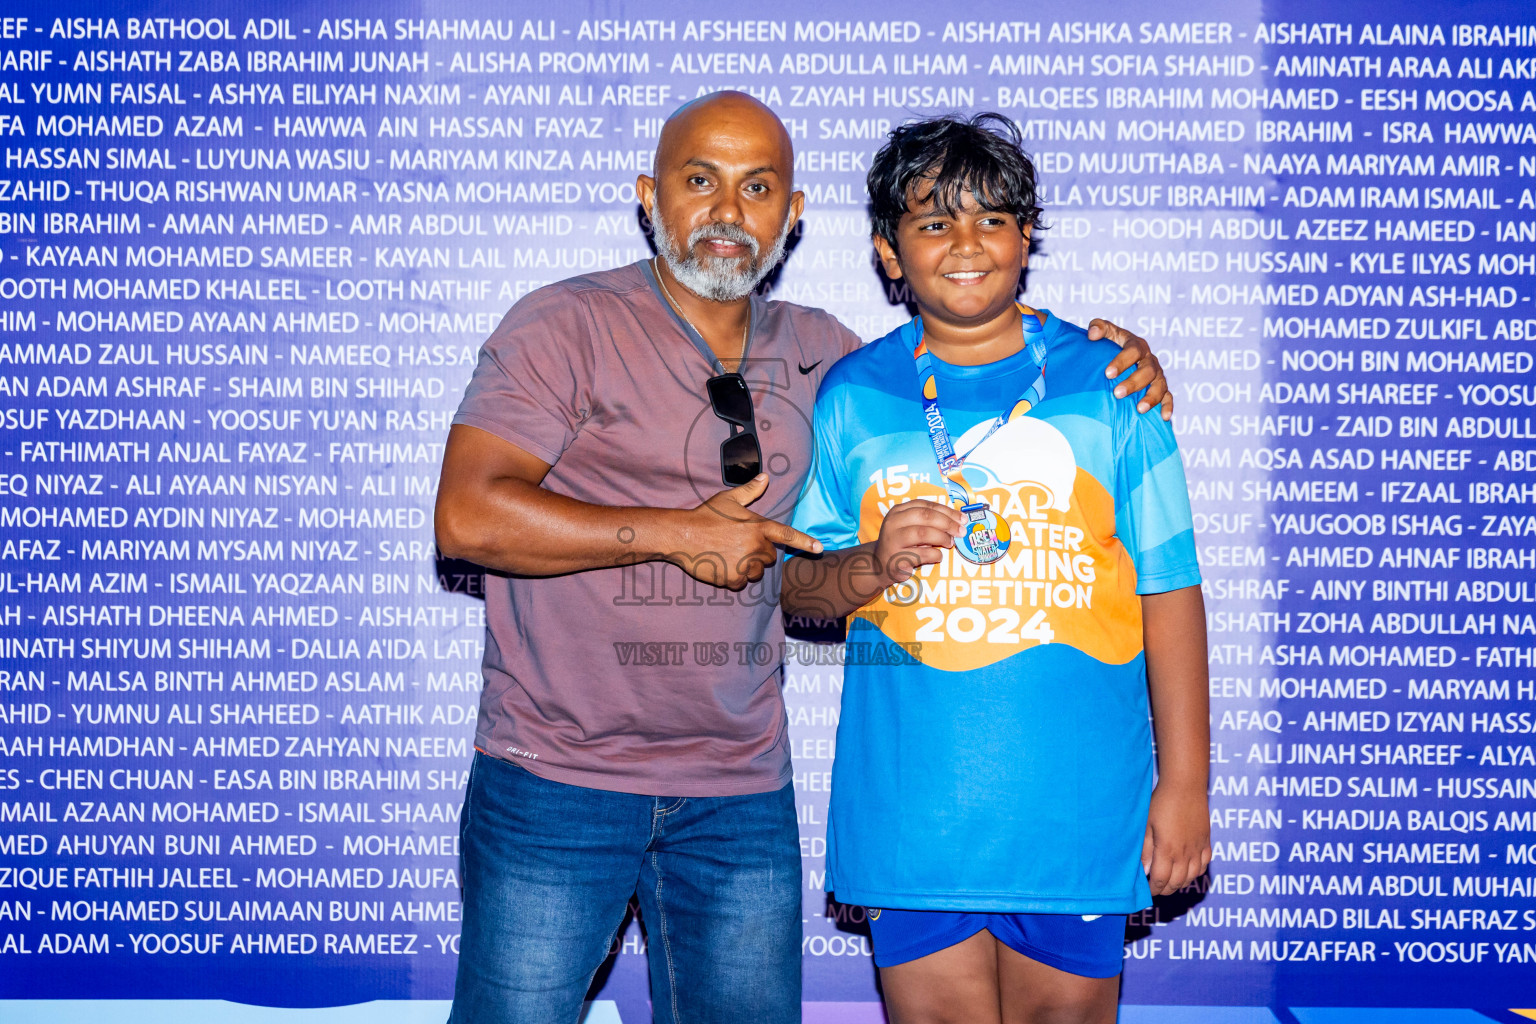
(1091, 946)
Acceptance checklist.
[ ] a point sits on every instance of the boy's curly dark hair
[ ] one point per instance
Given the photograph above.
(947, 157)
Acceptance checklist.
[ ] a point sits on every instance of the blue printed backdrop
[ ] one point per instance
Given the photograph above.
(247, 262)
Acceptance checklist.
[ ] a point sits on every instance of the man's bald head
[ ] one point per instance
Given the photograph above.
(722, 195)
(724, 113)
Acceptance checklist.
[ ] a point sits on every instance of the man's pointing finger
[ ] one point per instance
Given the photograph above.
(792, 538)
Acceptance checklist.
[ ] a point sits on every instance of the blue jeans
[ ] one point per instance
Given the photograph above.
(550, 868)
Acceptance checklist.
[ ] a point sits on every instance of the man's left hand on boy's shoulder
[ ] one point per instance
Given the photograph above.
(1134, 350)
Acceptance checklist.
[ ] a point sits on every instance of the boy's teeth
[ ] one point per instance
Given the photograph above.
(967, 275)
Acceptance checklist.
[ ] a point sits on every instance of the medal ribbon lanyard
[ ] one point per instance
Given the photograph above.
(952, 463)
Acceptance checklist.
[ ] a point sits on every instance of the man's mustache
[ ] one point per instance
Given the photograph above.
(724, 233)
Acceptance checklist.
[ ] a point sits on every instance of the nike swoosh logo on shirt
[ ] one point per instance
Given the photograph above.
(805, 370)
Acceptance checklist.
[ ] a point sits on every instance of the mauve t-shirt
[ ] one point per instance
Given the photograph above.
(640, 679)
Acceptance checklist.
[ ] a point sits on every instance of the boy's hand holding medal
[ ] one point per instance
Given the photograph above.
(914, 534)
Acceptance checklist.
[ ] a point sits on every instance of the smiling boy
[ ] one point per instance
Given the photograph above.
(1015, 550)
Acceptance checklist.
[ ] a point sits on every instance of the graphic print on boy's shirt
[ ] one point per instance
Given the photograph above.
(1061, 525)
(1065, 575)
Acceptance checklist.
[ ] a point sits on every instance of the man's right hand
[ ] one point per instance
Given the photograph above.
(914, 533)
(727, 545)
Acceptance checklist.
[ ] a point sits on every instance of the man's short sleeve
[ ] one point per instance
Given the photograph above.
(1152, 515)
(532, 384)
(823, 511)
(850, 342)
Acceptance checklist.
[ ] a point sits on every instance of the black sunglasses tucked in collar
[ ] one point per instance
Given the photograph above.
(740, 457)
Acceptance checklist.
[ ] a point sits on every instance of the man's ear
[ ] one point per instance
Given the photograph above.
(887, 253)
(645, 190)
(796, 207)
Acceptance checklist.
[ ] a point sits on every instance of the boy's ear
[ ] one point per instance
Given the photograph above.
(1024, 263)
(888, 258)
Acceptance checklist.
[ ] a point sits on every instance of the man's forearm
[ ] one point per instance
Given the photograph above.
(1178, 681)
(514, 526)
(492, 509)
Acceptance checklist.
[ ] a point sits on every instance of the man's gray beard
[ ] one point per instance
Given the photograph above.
(719, 280)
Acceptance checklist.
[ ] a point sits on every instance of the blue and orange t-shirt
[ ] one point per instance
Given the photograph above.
(994, 751)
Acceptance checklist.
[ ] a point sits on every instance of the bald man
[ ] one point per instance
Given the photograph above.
(623, 462)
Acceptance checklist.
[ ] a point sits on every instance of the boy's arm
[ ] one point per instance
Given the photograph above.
(833, 585)
(1177, 848)
(913, 534)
